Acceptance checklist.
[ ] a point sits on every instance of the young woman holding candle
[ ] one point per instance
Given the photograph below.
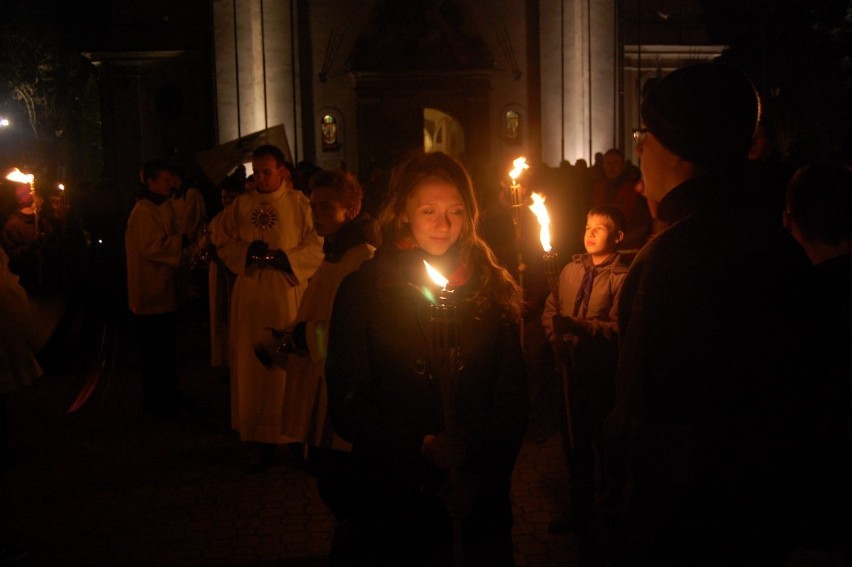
(385, 396)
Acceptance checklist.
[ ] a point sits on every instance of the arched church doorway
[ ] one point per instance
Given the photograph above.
(393, 109)
(442, 133)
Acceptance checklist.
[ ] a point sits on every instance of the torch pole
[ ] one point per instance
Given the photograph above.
(445, 351)
(515, 188)
(36, 207)
(551, 270)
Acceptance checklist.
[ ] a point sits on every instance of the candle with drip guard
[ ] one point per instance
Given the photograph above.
(443, 321)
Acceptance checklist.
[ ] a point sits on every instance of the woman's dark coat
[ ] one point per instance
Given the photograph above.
(384, 400)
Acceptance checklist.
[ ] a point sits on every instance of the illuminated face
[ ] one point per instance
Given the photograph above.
(436, 214)
(269, 175)
(162, 184)
(328, 212)
(601, 237)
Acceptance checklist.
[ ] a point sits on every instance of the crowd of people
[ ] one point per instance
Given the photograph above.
(699, 351)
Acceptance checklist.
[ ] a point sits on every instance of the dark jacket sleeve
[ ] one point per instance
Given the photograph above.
(355, 403)
(347, 363)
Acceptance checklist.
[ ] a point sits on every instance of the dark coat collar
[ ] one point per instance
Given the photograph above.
(155, 198)
(700, 193)
(349, 236)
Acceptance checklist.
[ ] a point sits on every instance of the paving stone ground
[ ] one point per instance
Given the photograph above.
(110, 485)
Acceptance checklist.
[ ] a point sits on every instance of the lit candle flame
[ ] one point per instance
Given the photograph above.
(540, 212)
(61, 187)
(520, 165)
(19, 177)
(436, 276)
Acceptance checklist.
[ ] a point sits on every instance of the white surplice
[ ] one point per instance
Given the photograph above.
(220, 284)
(264, 297)
(306, 395)
(18, 336)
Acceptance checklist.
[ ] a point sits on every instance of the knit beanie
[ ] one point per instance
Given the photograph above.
(704, 113)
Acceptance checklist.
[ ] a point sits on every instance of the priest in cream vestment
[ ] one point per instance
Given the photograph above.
(268, 240)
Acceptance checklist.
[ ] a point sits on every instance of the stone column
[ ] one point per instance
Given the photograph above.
(579, 78)
(256, 76)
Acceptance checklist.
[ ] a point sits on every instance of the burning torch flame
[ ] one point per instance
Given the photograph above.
(436, 275)
(18, 177)
(540, 212)
(520, 165)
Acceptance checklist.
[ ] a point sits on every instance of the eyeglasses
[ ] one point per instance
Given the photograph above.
(639, 135)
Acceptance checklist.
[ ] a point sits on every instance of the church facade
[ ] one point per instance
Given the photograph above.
(357, 84)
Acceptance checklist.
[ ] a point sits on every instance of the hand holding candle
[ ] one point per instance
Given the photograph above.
(447, 448)
(444, 339)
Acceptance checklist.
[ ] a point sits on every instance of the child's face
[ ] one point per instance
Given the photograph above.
(328, 212)
(600, 237)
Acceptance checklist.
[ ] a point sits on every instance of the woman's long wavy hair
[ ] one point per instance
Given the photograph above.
(497, 286)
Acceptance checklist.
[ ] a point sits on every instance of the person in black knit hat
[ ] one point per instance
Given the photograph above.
(704, 114)
(703, 449)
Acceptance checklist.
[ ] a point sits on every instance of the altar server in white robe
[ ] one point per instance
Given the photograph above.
(349, 241)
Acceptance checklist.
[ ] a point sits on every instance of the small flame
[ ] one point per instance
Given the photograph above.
(61, 187)
(436, 275)
(540, 212)
(520, 165)
(17, 176)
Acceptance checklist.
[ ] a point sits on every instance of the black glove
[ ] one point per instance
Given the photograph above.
(255, 251)
(568, 324)
(279, 261)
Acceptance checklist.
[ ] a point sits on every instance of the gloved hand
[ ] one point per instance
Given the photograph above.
(255, 251)
(292, 339)
(272, 352)
(566, 324)
(279, 261)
